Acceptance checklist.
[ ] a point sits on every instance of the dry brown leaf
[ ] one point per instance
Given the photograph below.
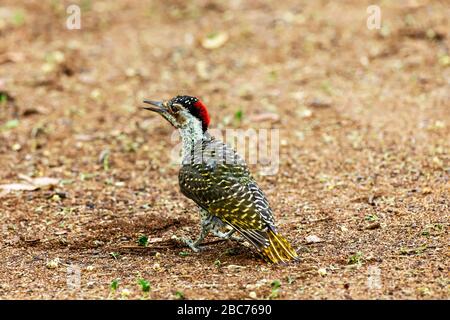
(30, 184)
(40, 182)
(154, 240)
(215, 40)
(319, 103)
(202, 70)
(45, 182)
(304, 112)
(18, 187)
(313, 239)
(267, 116)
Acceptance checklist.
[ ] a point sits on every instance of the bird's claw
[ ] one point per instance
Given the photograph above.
(188, 242)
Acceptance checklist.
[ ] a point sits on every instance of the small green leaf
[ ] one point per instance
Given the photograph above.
(290, 279)
(355, 259)
(18, 18)
(184, 254)
(444, 60)
(326, 87)
(212, 35)
(106, 162)
(275, 284)
(114, 284)
(371, 217)
(3, 98)
(145, 285)
(64, 182)
(273, 75)
(179, 295)
(11, 124)
(86, 176)
(238, 115)
(115, 255)
(143, 241)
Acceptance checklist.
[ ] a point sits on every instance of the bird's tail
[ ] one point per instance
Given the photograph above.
(278, 250)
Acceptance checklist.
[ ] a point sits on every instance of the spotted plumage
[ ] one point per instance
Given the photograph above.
(217, 179)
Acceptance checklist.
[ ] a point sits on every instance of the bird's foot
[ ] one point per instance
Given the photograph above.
(194, 246)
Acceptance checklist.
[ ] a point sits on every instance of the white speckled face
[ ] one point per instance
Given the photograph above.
(170, 114)
(171, 119)
(176, 111)
(177, 114)
(190, 126)
(194, 107)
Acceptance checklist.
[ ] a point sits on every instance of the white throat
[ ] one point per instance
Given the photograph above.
(191, 133)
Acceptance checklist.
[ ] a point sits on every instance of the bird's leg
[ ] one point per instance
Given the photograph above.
(227, 235)
(205, 225)
(217, 224)
(194, 245)
(222, 235)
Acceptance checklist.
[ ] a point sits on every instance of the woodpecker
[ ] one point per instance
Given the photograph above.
(217, 179)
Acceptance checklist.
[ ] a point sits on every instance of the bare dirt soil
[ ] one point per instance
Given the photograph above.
(364, 120)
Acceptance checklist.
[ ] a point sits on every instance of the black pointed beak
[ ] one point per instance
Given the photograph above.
(156, 106)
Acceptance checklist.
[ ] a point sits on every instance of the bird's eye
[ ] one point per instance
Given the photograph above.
(175, 107)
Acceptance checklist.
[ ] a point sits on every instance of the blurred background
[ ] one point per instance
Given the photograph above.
(364, 133)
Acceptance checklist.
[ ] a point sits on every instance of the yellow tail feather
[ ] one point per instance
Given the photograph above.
(279, 249)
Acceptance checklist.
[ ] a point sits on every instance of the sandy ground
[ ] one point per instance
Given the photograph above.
(363, 116)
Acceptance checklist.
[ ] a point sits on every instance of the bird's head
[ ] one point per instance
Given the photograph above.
(181, 111)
